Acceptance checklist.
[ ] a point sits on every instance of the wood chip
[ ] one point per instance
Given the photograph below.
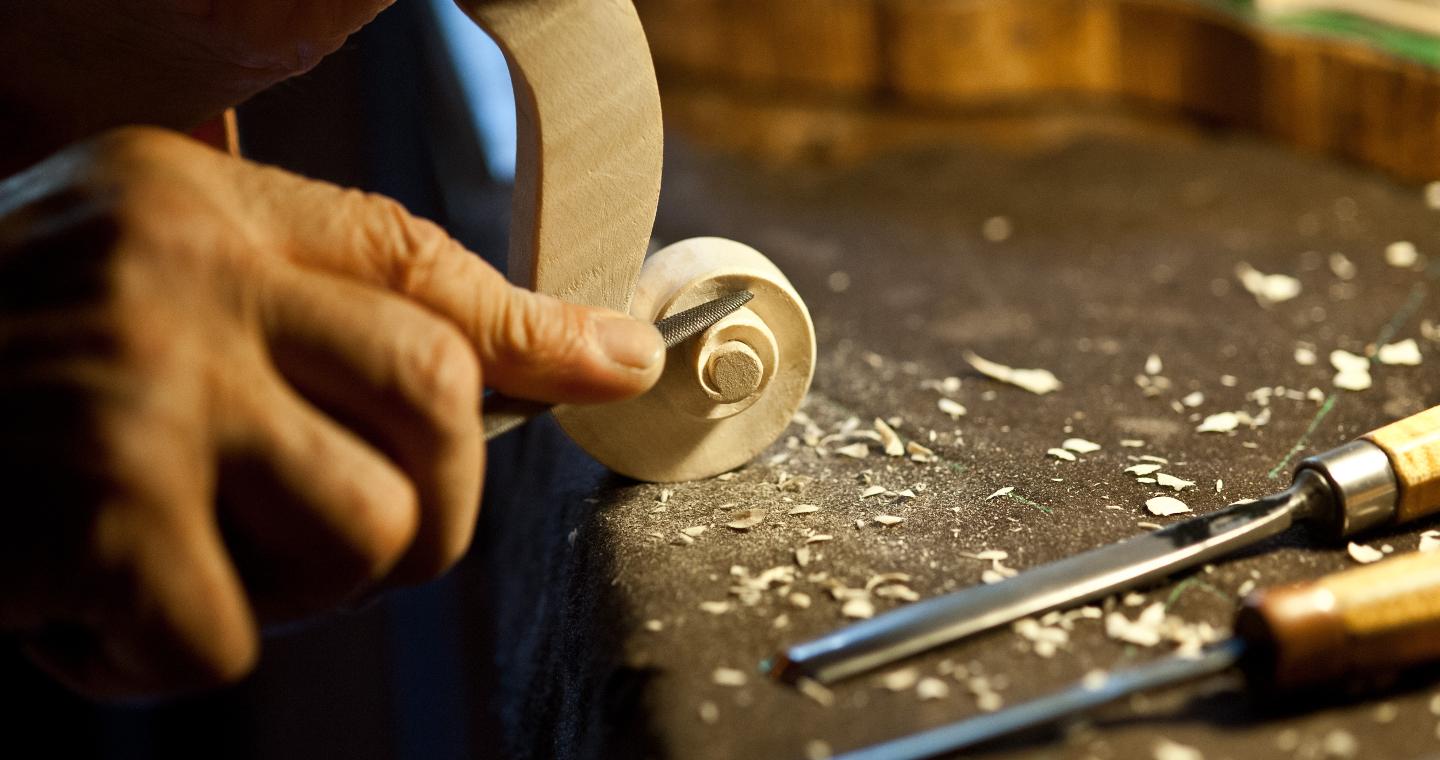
(1268, 289)
(819, 537)
(889, 439)
(1153, 365)
(854, 451)
(954, 409)
(1037, 381)
(931, 688)
(799, 600)
(746, 519)
(695, 531)
(1165, 749)
(1430, 541)
(889, 519)
(1140, 470)
(1080, 446)
(1132, 443)
(803, 509)
(903, 679)
(1006, 491)
(1166, 480)
(1402, 254)
(709, 712)
(1364, 554)
(654, 625)
(1352, 372)
(1405, 352)
(728, 677)
(1193, 400)
(1341, 266)
(1222, 422)
(716, 608)
(920, 453)
(873, 491)
(860, 608)
(815, 691)
(1165, 506)
(1061, 454)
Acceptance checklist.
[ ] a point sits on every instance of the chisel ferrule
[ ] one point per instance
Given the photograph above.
(1366, 491)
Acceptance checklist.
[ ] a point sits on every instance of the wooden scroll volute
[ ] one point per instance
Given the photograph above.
(587, 175)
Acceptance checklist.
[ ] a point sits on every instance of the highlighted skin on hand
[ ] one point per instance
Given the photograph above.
(235, 396)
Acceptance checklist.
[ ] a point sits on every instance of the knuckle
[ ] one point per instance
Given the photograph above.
(440, 374)
(390, 516)
(542, 333)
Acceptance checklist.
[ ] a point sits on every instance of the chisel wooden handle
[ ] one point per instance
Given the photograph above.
(1370, 620)
(1413, 446)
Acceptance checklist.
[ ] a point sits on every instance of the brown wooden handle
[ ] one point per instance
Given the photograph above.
(1413, 445)
(1369, 620)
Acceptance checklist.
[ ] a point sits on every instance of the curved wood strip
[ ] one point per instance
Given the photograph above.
(588, 160)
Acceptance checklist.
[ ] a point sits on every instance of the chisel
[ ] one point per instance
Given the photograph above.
(504, 413)
(1389, 476)
(1370, 621)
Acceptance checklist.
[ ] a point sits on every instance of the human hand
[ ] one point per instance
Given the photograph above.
(235, 396)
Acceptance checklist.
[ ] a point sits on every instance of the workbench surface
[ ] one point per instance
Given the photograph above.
(1118, 249)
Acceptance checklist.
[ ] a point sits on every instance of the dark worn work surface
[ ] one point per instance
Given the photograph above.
(1120, 249)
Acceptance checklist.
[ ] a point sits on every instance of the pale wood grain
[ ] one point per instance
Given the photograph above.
(589, 144)
(1413, 445)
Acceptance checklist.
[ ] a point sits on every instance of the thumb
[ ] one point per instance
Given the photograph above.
(530, 345)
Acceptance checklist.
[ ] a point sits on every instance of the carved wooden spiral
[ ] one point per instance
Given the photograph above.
(726, 394)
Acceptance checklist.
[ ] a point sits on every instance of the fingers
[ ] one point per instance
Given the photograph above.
(529, 345)
(403, 378)
(315, 515)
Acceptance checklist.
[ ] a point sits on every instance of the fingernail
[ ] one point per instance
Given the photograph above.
(628, 342)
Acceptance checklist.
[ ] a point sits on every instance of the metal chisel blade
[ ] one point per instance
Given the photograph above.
(504, 413)
(1085, 577)
(1084, 696)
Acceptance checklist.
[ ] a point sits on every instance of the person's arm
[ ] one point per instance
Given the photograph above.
(71, 69)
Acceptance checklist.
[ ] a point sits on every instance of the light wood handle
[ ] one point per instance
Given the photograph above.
(1369, 620)
(1413, 445)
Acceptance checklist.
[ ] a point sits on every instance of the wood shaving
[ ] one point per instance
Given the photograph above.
(746, 519)
(1430, 541)
(1340, 743)
(888, 520)
(1402, 254)
(1165, 749)
(709, 712)
(889, 439)
(1037, 381)
(1221, 422)
(873, 491)
(1364, 554)
(1140, 470)
(954, 409)
(1153, 365)
(1352, 373)
(1164, 506)
(1080, 446)
(1006, 491)
(1405, 352)
(899, 592)
(931, 688)
(682, 540)
(854, 451)
(1045, 640)
(716, 608)
(1193, 400)
(815, 691)
(1341, 266)
(695, 531)
(803, 509)
(903, 679)
(1132, 443)
(815, 749)
(654, 626)
(1305, 355)
(859, 608)
(799, 600)
(919, 453)
(802, 556)
(997, 229)
(1268, 289)
(728, 677)
(1061, 454)
(819, 537)
(1166, 480)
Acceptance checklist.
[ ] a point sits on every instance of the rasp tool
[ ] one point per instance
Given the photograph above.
(504, 413)
(1387, 477)
(1369, 621)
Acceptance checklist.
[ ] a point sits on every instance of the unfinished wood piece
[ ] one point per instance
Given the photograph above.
(587, 174)
(725, 395)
